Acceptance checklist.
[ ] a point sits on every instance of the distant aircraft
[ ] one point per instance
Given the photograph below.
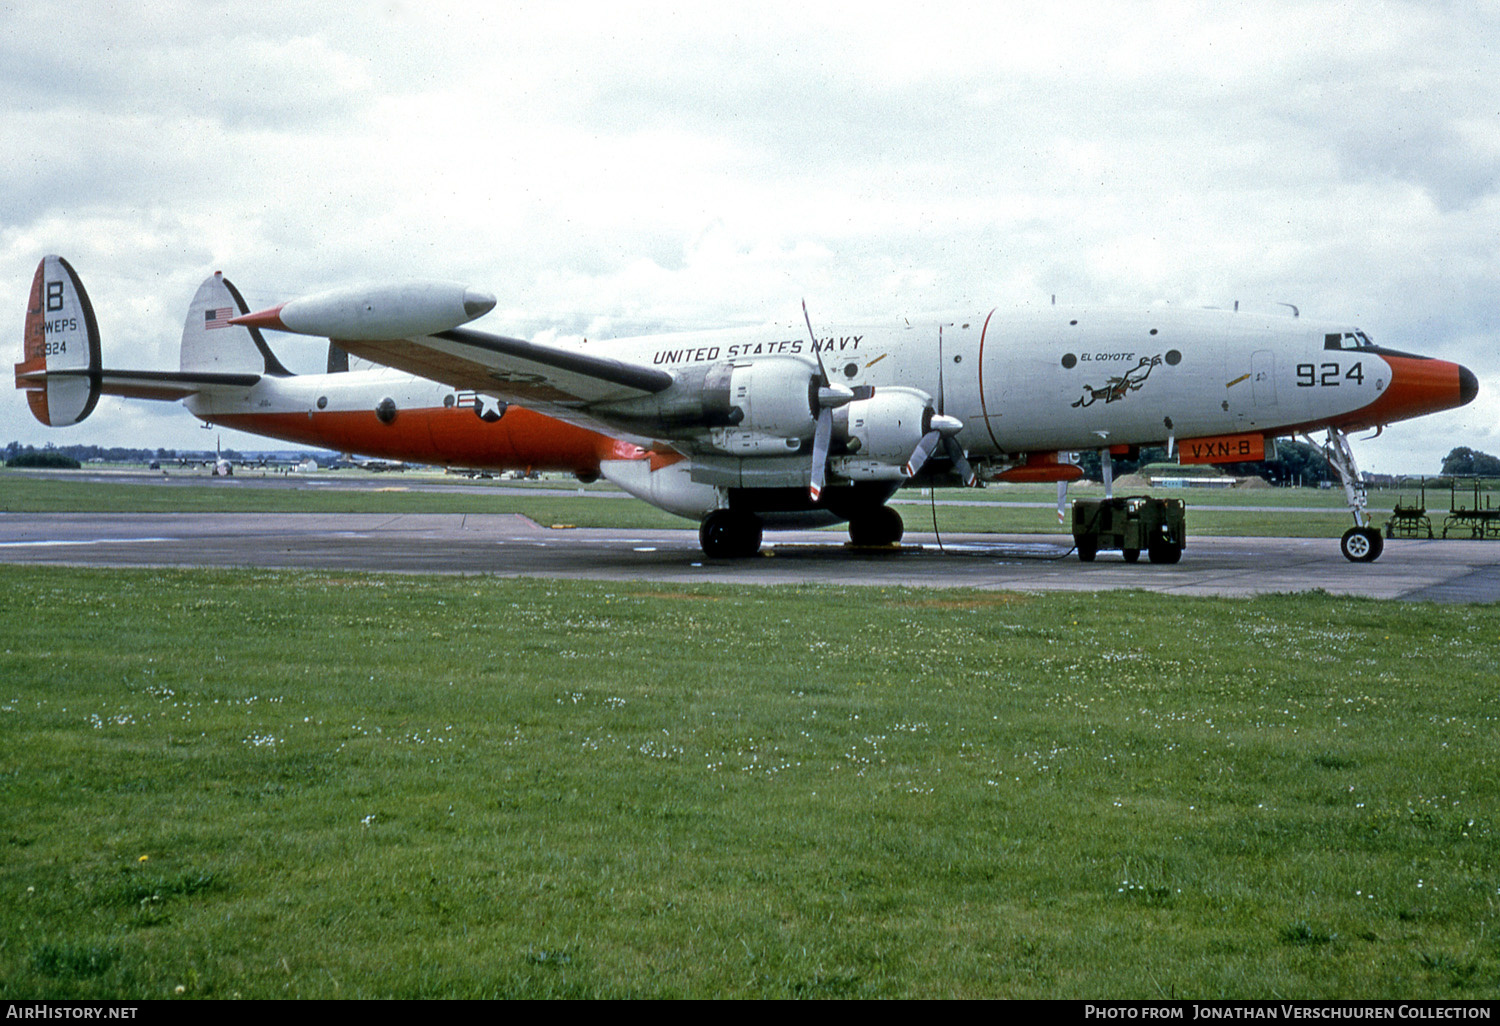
(222, 466)
(230, 377)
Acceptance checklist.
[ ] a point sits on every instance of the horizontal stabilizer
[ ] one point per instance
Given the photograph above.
(61, 373)
(168, 386)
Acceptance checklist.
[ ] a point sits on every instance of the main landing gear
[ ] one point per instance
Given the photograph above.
(730, 534)
(1361, 543)
(880, 526)
(736, 533)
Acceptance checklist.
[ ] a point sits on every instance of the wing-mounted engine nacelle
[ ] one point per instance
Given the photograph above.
(768, 407)
(881, 433)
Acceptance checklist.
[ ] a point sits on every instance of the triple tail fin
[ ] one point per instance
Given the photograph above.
(210, 344)
(61, 369)
(60, 366)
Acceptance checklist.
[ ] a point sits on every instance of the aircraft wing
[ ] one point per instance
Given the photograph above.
(534, 375)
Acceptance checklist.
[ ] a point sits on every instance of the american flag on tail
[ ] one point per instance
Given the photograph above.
(217, 318)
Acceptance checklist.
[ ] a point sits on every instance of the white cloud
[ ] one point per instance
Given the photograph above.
(644, 167)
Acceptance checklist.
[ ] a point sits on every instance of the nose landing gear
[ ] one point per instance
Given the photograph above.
(1361, 543)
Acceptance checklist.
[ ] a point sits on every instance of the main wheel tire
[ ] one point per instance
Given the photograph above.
(1362, 545)
(881, 526)
(730, 534)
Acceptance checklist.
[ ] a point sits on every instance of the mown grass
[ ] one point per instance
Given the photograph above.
(340, 785)
(33, 493)
(1280, 512)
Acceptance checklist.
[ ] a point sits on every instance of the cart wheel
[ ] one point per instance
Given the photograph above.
(1131, 555)
(1088, 548)
(1164, 552)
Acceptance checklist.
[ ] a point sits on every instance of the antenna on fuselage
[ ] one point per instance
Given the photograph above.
(1295, 311)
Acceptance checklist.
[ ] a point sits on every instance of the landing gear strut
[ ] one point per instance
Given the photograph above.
(730, 534)
(1361, 543)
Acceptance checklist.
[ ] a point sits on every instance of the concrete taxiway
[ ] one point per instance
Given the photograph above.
(512, 546)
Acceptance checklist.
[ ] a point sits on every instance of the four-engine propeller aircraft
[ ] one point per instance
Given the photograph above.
(229, 376)
(752, 428)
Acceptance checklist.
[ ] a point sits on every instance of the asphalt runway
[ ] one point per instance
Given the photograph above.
(507, 545)
(359, 481)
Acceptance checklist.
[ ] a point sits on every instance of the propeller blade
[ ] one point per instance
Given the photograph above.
(821, 438)
(817, 350)
(924, 449)
(955, 452)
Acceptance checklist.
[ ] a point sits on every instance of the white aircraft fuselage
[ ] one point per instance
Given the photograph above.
(769, 426)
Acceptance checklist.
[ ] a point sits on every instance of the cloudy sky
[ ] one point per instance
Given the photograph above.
(630, 167)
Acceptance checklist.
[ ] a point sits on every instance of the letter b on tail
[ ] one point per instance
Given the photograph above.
(59, 370)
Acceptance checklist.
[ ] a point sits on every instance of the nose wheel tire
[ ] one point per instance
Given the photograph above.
(1362, 544)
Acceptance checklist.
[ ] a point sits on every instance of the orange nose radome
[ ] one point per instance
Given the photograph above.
(1418, 386)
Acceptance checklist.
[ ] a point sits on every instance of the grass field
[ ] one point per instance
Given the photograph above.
(1274, 512)
(218, 784)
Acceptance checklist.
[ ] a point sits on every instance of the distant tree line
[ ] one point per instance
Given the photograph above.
(44, 460)
(1295, 463)
(1465, 462)
(84, 453)
(30, 455)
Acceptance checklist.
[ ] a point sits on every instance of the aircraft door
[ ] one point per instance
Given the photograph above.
(1263, 378)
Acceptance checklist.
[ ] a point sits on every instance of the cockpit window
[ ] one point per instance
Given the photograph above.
(1347, 340)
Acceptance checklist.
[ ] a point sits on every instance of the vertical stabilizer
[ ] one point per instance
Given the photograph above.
(60, 362)
(210, 344)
